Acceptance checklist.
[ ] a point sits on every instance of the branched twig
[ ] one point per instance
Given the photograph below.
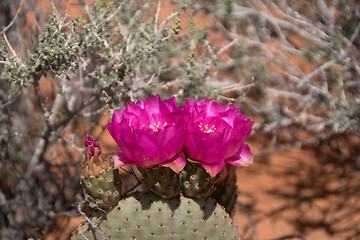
(72, 115)
(157, 17)
(13, 21)
(88, 220)
(9, 45)
(9, 102)
(116, 11)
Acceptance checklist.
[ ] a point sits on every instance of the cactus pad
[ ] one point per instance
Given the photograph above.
(226, 190)
(143, 215)
(196, 182)
(103, 190)
(163, 181)
(226, 196)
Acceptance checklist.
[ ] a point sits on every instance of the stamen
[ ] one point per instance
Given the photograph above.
(156, 126)
(205, 128)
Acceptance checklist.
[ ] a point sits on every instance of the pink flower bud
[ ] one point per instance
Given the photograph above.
(90, 145)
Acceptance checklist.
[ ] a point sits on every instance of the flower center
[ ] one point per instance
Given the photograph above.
(206, 129)
(156, 126)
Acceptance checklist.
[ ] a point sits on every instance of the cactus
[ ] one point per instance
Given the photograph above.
(193, 181)
(144, 215)
(226, 190)
(196, 182)
(176, 203)
(163, 181)
(101, 181)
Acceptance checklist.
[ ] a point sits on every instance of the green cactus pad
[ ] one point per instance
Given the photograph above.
(163, 181)
(143, 215)
(196, 182)
(103, 190)
(226, 195)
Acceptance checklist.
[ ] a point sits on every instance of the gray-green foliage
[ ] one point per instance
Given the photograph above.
(143, 215)
(126, 53)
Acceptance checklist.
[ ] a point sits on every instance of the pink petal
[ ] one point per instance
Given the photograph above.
(213, 108)
(243, 158)
(213, 169)
(120, 160)
(204, 147)
(177, 163)
(117, 116)
(90, 145)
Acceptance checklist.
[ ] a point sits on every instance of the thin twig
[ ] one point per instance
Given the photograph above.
(318, 70)
(174, 14)
(13, 21)
(9, 102)
(88, 220)
(232, 43)
(354, 35)
(9, 45)
(157, 17)
(115, 12)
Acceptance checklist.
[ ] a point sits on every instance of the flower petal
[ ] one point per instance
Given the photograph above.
(213, 169)
(90, 145)
(243, 157)
(149, 132)
(120, 160)
(176, 164)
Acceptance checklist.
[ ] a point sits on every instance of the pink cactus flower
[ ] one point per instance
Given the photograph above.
(216, 135)
(90, 145)
(149, 132)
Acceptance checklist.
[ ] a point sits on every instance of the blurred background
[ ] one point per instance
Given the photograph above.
(291, 66)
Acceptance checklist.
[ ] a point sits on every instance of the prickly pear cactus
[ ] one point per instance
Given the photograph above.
(196, 182)
(180, 198)
(101, 181)
(144, 215)
(103, 190)
(226, 190)
(226, 196)
(163, 181)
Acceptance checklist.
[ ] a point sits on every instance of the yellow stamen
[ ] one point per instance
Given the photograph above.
(156, 126)
(205, 128)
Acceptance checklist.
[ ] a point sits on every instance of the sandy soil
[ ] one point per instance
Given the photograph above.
(308, 192)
